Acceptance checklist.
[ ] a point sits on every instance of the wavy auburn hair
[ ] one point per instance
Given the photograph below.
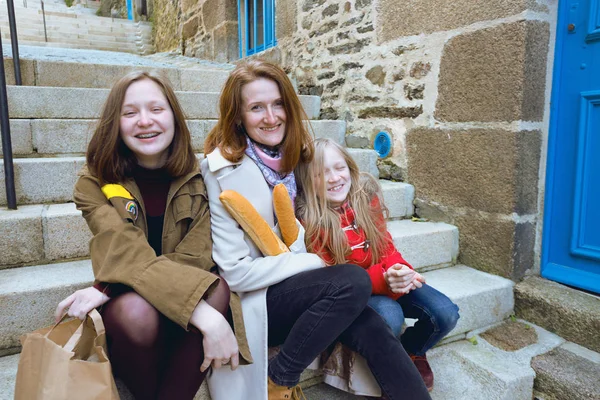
(229, 136)
(322, 222)
(107, 156)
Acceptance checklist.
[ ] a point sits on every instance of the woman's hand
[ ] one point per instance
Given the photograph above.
(81, 303)
(219, 342)
(401, 279)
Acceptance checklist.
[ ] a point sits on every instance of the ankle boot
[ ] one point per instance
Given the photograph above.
(277, 392)
(424, 369)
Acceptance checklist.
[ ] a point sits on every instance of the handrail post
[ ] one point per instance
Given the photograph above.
(44, 17)
(9, 173)
(14, 41)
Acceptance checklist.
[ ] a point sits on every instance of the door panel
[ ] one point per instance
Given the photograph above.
(571, 243)
(586, 210)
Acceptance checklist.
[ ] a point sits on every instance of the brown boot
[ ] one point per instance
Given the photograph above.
(424, 369)
(277, 392)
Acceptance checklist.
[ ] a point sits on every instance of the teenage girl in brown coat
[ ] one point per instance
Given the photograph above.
(144, 200)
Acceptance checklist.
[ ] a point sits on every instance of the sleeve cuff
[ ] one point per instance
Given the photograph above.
(111, 289)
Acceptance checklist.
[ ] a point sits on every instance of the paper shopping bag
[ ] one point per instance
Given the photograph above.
(66, 361)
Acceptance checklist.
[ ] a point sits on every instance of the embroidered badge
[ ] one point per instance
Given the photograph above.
(131, 208)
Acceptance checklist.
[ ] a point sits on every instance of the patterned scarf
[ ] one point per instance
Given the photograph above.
(265, 159)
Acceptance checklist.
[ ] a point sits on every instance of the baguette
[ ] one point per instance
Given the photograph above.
(252, 223)
(285, 214)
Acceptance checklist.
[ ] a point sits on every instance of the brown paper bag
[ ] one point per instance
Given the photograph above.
(66, 361)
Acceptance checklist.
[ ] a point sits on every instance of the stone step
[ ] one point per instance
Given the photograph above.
(483, 299)
(46, 233)
(35, 33)
(65, 103)
(51, 137)
(51, 180)
(101, 69)
(83, 46)
(464, 370)
(71, 25)
(570, 313)
(567, 372)
(43, 180)
(474, 291)
(39, 233)
(58, 31)
(8, 373)
(57, 34)
(129, 46)
(27, 15)
(425, 245)
(30, 294)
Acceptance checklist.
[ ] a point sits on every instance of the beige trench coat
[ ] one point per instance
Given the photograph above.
(250, 274)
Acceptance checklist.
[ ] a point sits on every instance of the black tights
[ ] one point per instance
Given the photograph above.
(156, 358)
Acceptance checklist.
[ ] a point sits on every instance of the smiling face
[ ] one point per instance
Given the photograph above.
(336, 175)
(147, 124)
(263, 114)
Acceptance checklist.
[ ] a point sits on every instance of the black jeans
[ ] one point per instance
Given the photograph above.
(310, 311)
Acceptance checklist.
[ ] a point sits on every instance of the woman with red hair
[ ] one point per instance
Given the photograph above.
(289, 300)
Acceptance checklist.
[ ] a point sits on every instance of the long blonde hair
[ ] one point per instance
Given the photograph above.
(322, 222)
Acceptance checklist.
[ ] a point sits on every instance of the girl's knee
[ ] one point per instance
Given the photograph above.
(359, 280)
(131, 318)
(447, 318)
(390, 311)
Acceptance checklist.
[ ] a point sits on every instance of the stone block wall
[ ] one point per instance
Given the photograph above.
(204, 29)
(113, 8)
(461, 85)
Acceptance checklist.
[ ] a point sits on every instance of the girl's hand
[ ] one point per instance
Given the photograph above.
(419, 279)
(81, 303)
(219, 342)
(399, 278)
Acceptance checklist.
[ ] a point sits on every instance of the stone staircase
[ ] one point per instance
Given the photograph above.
(44, 246)
(66, 28)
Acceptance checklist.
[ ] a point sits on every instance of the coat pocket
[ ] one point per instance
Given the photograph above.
(187, 204)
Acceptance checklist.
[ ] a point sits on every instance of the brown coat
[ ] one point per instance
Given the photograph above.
(174, 282)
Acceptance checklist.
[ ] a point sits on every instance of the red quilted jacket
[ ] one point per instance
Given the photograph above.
(361, 251)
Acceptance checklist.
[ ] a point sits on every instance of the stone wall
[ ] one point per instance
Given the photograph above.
(205, 29)
(461, 85)
(112, 8)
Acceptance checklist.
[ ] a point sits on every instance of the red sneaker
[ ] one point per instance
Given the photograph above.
(424, 369)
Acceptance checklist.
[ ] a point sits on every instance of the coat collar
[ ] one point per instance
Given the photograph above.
(216, 161)
(131, 186)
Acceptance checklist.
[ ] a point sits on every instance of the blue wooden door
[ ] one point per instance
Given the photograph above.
(571, 245)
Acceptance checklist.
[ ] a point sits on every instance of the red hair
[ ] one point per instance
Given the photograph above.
(228, 135)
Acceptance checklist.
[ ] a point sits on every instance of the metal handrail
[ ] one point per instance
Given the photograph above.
(44, 17)
(9, 173)
(14, 41)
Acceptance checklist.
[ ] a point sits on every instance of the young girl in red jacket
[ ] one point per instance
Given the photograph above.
(342, 210)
